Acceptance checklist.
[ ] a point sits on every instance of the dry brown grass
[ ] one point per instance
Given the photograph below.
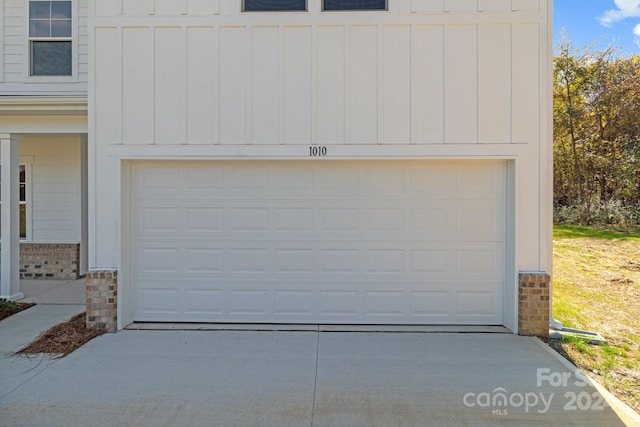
(64, 338)
(596, 287)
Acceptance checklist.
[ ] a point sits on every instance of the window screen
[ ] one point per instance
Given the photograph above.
(50, 38)
(50, 58)
(354, 5)
(274, 5)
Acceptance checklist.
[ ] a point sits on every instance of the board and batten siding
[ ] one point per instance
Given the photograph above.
(200, 72)
(55, 187)
(14, 53)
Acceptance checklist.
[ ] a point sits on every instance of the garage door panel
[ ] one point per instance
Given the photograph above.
(158, 260)
(199, 219)
(283, 258)
(248, 219)
(157, 301)
(430, 305)
(204, 302)
(480, 179)
(437, 181)
(339, 303)
(481, 262)
(247, 176)
(252, 302)
(385, 304)
(159, 219)
(336, 179)
(442, 303)
(338, 219)
(319, 242)
(293, 219)
(203, 260)
(158, 179)
(476, 304)
(296, 179)
(300, 303)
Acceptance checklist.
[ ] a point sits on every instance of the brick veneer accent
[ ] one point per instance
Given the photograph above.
(533, 303)
(102, 299)
(50, 261)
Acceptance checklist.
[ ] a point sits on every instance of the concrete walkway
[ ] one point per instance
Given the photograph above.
(54, 291)
(58, 301)
(275, 378)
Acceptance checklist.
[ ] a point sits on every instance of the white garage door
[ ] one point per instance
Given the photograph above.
(393, 242)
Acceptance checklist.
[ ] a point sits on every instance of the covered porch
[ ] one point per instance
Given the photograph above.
(43, 191)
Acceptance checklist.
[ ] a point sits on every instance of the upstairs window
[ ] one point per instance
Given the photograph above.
(50, 32)
(275, 6)
(353, 5)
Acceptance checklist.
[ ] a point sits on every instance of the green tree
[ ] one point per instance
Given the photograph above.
(596, 133)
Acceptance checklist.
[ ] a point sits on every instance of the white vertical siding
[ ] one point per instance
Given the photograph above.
(363, 84)
(494, 83)
(461, 83)
(396, 84)
(107, 76)
(55, 187)
(170, 86)
(265, 58)
(331, 85)
(526, 71)
(202, 88)
(138, 85)
(233, 85)
(428, 90)
(426, 77)
(14, 53)
(298, 89)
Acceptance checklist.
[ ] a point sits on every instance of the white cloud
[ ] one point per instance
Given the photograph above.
(636, 33)
(625, 9)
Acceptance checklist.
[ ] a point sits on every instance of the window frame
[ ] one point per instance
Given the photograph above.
(26, 161)
(71, 78)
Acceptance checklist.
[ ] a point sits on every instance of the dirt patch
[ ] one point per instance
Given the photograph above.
(9, 309)
(64, 338)
(632, 265)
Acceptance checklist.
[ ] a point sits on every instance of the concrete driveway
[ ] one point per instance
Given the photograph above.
(251, 378)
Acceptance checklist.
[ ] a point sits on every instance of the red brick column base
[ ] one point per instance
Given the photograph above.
(533, 304)
(102, 299)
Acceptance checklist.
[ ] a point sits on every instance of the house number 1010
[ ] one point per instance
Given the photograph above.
(315, 151)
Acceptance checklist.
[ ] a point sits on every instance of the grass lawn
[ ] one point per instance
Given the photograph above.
(596, 286)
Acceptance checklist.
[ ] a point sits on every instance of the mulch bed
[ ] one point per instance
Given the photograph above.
(5, 312)
(64, 338)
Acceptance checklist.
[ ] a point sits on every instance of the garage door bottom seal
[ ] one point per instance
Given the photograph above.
(153, 326)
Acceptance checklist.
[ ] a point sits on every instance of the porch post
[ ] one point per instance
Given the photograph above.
(10, 217)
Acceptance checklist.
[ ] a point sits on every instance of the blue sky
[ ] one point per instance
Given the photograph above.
(613, 22)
